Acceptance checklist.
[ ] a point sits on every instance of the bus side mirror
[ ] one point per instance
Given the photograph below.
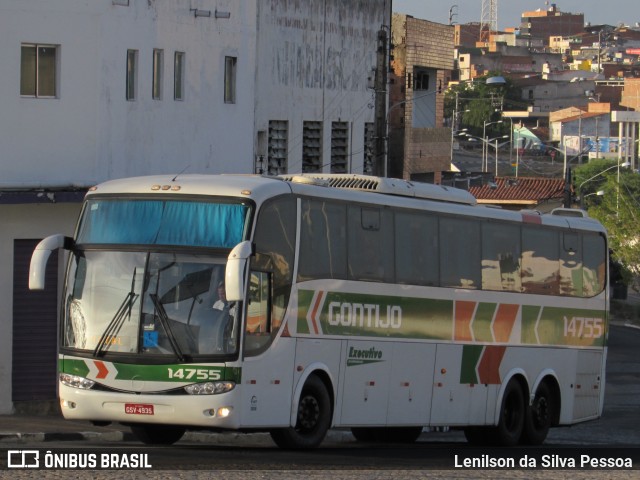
(234, 277)
(40, 257)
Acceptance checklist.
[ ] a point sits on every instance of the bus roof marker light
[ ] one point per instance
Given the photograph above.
(245, 192)
(155, 187)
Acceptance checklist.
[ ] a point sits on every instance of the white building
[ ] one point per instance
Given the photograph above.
(111, 88)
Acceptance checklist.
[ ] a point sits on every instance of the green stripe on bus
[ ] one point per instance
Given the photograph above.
(481, 325)
(181, 373)
(470, 357)
(357, 314)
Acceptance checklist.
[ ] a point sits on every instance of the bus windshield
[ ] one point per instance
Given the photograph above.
(148, 303)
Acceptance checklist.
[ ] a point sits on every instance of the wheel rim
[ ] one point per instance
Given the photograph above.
(308, 413)
(512, 413)
(541, 412)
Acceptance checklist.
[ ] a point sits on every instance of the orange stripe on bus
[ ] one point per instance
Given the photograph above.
(504, 322)
(316, 307)
(489, 365)
(464, 315)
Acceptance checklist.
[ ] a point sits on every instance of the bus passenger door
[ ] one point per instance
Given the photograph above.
(266, 371)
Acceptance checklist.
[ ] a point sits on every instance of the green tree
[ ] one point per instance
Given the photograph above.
(476, 105)
(618, 209)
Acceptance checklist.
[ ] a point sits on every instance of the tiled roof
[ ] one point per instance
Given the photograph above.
(519, 190)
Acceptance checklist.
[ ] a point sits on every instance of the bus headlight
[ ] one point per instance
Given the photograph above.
(209, 388)
(76, 382)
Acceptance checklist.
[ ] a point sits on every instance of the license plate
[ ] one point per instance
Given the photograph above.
(138, 409)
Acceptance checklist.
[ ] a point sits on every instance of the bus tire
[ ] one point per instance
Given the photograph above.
(538, 416)
(313, 419)
(157, 434)
(512, 415)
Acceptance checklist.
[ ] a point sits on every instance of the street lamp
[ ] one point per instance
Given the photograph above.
(496, 147)
(454, 125)
(618, 165)
(486, 143)
(485, 150)
(598, 193)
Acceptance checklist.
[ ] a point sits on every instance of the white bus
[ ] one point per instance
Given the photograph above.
(299, 303)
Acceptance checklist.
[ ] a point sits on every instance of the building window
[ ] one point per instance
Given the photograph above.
(132, 74)
(158, 57)
(421, 80)
(339, 147)
(278, 147)
(369, 145)
(230, 79)
(311, 146)
(178, 76)
(38, 65)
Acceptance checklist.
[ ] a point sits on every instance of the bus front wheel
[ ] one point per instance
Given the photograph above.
(313, 419)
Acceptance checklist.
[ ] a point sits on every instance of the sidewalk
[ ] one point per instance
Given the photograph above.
(28, 428)
(23, 428)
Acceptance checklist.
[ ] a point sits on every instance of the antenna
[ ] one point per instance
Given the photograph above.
(489, 20)
(180, 173)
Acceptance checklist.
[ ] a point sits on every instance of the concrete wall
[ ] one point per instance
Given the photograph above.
(90, 132)
(418, 144)
(313, 64)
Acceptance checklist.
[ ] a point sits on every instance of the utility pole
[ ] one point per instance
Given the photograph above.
(380, 157)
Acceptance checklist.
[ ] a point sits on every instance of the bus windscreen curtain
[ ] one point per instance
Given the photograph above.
(162, 222)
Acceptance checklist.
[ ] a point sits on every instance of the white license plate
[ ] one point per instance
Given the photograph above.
(138, 409)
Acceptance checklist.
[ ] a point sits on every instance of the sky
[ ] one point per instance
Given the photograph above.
(596, 12)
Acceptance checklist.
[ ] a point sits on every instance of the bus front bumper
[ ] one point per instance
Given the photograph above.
(207, 411)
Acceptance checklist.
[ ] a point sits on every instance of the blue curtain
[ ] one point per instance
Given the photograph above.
(158, 222)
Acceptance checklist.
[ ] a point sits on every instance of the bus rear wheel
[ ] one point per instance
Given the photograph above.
(512, 415)
(538, 417)
(157, 434)
(313, 419)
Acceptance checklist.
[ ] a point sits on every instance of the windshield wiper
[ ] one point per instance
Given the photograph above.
(164, 320)
(118, 319)
(115, 324)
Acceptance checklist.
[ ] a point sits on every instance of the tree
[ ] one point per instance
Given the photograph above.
(618, 209)
(476, 97)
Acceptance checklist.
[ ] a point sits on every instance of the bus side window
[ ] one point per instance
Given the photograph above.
(571, 276)
(460, 264)
(258, 327)
(370, 240)
(540, 261)
(272, 267)
(594, 268)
